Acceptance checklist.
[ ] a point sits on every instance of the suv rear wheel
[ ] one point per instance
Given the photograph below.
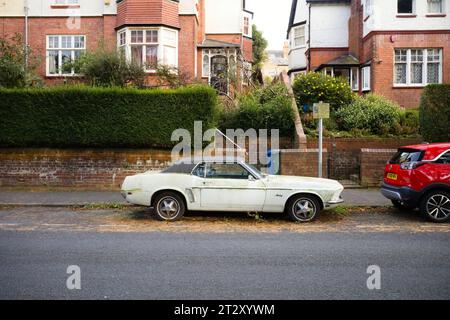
(436, 206)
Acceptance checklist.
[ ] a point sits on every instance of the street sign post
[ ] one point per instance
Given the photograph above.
(321, 111)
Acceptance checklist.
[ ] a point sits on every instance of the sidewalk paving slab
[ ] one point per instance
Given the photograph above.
(352, 197)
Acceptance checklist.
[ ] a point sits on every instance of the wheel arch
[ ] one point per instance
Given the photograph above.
(162, 190)
(431, 188)
(306, 193)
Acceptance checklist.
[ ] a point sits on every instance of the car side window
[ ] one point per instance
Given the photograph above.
(444, 159)
(199, 171)
(226, 171)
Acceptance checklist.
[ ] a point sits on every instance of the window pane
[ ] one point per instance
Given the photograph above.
(122, 38)
(433, 73)
(405, 6)
(53, 42)
(170, 56)
(137, 36)
(66, 42)
(416, 55)
(416, 72)
(77, 54)
(79, 42)
(151, 36)
(53, 63)
(435, 6)
(136, 55)
(205, 66)
(355, 78)
(66, 58)
(400, 73)
(151, 56)
(433, 55)
(400, 55)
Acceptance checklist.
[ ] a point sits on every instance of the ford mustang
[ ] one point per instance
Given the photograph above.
(229, 184)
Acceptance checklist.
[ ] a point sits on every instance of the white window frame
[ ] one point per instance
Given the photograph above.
(424, 67)
(442, 8)
(246, 25)
(414, 9)
(59, 49)
(354, 70)
(162, 42)
(365, 75)
(294, 37)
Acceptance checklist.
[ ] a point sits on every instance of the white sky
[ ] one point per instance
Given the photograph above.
(272, 18)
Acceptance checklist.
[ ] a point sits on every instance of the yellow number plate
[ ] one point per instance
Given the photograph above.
(392, 176)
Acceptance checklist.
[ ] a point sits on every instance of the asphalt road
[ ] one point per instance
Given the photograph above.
(224, 266)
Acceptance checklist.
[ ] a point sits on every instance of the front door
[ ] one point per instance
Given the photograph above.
(230, 187)
(219, 76)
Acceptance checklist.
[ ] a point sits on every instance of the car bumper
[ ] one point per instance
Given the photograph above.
(403, 194)
(333, 203)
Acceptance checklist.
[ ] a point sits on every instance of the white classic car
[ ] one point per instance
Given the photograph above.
(224, 184)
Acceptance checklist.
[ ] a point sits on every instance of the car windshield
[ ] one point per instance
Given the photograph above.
(406, 155)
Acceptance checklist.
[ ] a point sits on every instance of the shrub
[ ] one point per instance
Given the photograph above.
(314, 87)
(101, 117)
(264, 108)
(12, 64)
(435, 113)
(409, 122)
(104, 68)
(372, 113)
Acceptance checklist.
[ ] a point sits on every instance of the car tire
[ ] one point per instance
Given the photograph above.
(169, 206)
(402, 206)
(303, 208)
(435, 206)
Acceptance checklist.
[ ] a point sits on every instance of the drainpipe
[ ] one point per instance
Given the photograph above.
(26, 34)
(309, 37)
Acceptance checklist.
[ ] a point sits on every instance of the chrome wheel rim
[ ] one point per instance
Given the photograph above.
(304, 209)
(438, 206)
(168, 208)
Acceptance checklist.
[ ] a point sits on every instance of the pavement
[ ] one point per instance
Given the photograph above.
(352, 197)
(196, 266)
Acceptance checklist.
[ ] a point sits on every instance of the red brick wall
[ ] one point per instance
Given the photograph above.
(380, 47)
(76, 168)
(187, 45)
(301, 162)
(248, 49)
(373, 162)
(148, 12)
(319, 56)
(355, 26)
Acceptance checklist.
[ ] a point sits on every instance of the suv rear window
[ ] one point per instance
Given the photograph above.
(406, 155)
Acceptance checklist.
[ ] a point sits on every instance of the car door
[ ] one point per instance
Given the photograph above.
(231, 187)
(443, 168)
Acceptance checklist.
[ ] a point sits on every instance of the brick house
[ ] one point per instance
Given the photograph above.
(201, 38)
(393, 48)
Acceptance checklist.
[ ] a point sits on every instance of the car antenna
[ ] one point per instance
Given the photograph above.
(235, 144)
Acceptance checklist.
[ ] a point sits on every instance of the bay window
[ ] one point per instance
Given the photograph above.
(414, 67)
(147, 47)
(61, 51)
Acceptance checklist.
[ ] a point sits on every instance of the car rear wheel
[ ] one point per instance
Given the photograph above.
(303, 208)
(169, 206)
(403, 206)
(436, 206)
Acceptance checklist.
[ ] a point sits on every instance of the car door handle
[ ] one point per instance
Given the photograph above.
(205, 183)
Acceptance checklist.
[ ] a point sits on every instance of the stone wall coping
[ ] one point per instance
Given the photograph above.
(365, 150)
(301, 150)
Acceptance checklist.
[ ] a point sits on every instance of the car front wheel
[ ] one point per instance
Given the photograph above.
(436, 206)
(303, 208)
(169, 206)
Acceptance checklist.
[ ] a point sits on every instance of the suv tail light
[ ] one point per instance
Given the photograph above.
(411, 165)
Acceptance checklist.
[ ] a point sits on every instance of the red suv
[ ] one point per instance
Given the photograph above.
(419, 176)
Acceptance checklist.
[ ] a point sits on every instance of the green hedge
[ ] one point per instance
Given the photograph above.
(101, 117)
(435, 113)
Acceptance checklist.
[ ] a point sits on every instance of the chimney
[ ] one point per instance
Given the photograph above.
(286, 50)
